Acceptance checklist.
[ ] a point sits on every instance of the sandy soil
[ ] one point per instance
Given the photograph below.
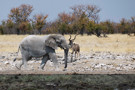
(90, 63)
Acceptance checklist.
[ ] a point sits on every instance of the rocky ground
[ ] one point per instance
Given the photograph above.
(89, 63)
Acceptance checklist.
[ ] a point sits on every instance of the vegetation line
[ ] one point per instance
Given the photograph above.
(82, 19)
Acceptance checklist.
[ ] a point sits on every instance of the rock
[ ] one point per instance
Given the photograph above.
(100, 65)
(91, 57)
(50, 63)
(64, 69)
(1, 69)
(32, 61)
(97, 52)
(133, 66)
(118, 69)
(133, 58)
(6, 62)
(73, 64)
(32, 68)
(37, 61)
(105, 68)
(83, 57)
(59, 57)
(110, 66)
(120, 65)
(128, 67)
(2, 57)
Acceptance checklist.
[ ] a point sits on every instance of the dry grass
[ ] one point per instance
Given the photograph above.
(114, 43)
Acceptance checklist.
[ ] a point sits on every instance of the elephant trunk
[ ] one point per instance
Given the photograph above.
(66, 56)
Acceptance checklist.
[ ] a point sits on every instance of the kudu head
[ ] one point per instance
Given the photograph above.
(72, 40)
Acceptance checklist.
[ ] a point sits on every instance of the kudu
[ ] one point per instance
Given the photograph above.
(75, 48)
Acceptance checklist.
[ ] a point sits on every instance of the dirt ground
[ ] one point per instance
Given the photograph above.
(93, 63)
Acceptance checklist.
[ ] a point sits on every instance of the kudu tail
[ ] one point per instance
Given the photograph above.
(17, 54)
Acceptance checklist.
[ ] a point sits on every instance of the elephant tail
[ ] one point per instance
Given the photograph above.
(17, 54)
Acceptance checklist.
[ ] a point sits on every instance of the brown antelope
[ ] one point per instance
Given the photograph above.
(75, 47)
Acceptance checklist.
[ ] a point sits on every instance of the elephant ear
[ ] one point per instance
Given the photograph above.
(51, 42)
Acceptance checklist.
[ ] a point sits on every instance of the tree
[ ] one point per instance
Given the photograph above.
(65, 18)
(25, 27)
(39, 21)
(91, 11)
(1, 29)
(133, 25)
(63, 28)
(124, 26)
(10, 25)
(20, 15)
(107, 26)
(90, 27)
(98, 30)
(82, 23)
(84, 14)
(65, 22)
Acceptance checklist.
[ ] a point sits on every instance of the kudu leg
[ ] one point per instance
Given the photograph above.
(72, 56)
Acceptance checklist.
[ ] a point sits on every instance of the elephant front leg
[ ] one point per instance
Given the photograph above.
(54, 60)
(44, 60)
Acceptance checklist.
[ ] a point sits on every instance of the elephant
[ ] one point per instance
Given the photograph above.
(42, 46)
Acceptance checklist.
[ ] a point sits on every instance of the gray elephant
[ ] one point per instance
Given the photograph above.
(42, 46)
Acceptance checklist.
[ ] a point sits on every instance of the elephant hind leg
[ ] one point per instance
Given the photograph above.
(24, 62)
(19, 67)
(44, 60)
(25, 58)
